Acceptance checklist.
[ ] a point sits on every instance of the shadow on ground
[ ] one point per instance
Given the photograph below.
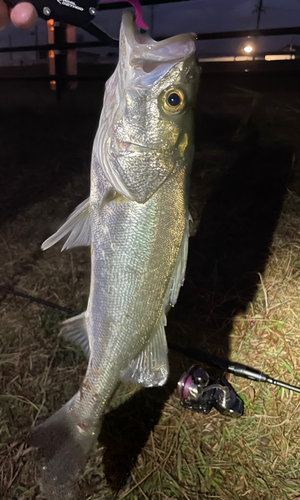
(226, 258)
(239, 206)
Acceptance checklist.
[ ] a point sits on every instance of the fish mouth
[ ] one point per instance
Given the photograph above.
(143, 49)
(134, 146)
(133, 149)
(124, 148)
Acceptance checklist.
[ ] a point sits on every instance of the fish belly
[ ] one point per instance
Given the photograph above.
(134, 252)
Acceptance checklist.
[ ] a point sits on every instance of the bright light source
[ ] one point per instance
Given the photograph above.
(248, 49)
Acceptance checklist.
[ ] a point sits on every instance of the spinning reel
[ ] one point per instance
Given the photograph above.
(200, 392)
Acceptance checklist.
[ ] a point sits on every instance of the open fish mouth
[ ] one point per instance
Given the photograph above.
(145, 68)
(144, 50)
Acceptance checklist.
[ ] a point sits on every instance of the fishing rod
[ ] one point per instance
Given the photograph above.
(237, 369)
(197, 390)
(200, 392)
(36, 299)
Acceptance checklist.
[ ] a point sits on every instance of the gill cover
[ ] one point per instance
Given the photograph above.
(142, 138)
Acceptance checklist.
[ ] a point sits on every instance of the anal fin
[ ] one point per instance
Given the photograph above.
(74, 329)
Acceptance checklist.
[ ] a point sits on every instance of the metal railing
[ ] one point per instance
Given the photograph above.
(60, 47)
(200, 36)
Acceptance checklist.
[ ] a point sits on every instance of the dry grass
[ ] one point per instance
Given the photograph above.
(150, 448)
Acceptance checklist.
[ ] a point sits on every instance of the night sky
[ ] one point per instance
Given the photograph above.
(195, 15)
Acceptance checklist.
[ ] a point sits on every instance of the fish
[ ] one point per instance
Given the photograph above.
(136, 221)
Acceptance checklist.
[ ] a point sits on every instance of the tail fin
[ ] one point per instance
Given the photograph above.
(65, 444)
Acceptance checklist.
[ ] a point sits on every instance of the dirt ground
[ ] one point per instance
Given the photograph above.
(240, 298)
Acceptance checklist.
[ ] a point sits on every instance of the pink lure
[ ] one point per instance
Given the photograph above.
(138, 11)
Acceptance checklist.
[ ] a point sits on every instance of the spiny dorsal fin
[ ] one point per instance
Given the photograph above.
(177, 278)
(151, 367)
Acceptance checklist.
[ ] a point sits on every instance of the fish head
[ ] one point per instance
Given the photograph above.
(146, 127)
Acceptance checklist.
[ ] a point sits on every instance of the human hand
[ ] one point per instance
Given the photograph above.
(23, 15)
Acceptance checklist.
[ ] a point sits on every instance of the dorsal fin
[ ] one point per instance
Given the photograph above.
(178, 275)
(151, 367)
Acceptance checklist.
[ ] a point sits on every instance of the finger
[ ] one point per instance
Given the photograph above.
(23, 15)
(4, 15)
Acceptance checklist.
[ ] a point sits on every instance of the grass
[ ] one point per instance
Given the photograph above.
(241, 291)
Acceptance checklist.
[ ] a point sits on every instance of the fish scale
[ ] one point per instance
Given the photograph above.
(137, 223)
(117, 337)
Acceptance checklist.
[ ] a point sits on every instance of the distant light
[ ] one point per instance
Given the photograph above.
(217, 59)
(248, 49)
(280, 57)
(243, 58)
(50, 23)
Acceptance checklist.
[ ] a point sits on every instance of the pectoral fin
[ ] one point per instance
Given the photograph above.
(79, 224)
(151, 367)
(79, 227)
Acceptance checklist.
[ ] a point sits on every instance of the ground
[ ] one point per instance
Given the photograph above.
(240, 298)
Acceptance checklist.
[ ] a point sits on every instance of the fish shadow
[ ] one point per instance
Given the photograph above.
(125, 431)
(227, 256)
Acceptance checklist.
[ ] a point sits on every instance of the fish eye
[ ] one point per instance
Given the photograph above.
(173, 101)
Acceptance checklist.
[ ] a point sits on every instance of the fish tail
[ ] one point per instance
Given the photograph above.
(65, 445)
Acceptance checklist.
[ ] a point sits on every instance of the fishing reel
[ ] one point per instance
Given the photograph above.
(200, 392)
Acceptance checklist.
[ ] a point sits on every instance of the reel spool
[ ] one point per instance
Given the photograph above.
(200, 392)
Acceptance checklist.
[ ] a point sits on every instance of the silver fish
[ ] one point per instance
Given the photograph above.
(137, 223)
